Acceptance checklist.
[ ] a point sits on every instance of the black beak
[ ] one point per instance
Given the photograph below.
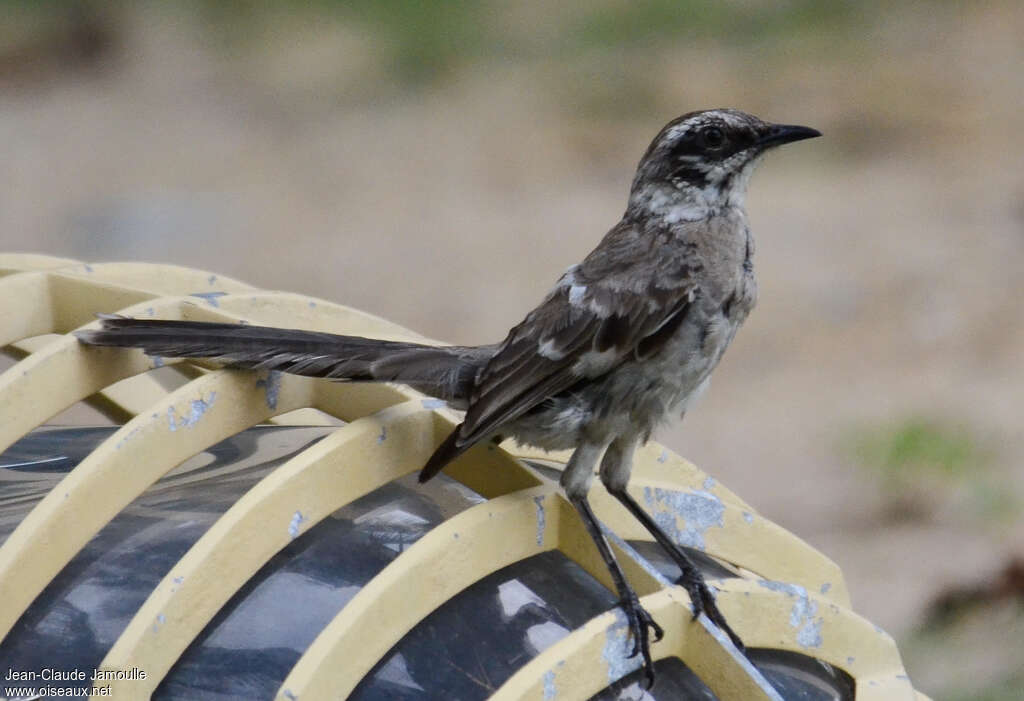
(778, 134)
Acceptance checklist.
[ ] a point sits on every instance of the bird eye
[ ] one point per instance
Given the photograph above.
(712, 137)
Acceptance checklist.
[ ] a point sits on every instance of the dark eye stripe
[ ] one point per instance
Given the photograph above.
(687, 147)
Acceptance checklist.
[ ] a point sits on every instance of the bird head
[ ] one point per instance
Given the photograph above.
(702, 162)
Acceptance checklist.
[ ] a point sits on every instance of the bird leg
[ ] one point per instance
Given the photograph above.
(576, 481)
(615, 469)
(641, 623)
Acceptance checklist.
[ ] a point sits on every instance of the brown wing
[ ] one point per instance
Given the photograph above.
(623, 299)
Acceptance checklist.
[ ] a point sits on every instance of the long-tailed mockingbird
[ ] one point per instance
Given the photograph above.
(624, 340)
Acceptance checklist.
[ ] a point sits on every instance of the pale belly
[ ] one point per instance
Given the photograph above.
(635, 397)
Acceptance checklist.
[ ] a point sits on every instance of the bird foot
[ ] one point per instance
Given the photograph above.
(641, 623)
(703, 601)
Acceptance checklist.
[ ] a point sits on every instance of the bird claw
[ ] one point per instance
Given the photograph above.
(703, 601)
(641, 623)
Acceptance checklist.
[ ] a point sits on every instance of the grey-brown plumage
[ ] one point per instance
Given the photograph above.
(625, 339)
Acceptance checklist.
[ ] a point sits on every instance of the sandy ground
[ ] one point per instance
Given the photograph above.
(889, 253)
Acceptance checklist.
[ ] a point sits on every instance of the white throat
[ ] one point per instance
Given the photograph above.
(683, 201)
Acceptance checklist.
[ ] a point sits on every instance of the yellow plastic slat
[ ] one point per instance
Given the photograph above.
(298, 311)
(65, 371)
(119, 401)
(25, 307)
(731, 530)
(786, 617)
(11, 263)
(337, 470)
(157, 279)
(452, 556)
(769, 614)
(726, 531)
(342, 467)
(54, 378)
(596, 654)
(191, 419)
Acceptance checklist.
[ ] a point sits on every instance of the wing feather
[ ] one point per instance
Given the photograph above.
(603, 310)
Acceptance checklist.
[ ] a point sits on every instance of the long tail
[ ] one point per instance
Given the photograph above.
(445, 372)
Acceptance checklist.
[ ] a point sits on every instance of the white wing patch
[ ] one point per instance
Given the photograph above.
(547, 349)
(576, 293)
(594, 362)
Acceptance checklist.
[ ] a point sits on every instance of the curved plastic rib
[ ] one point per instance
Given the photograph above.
(785, 616)
(706, 515)
(571, 667)
(344, 466)
(11, 263)
(55, 377)
(65, 371)
(191, 419)
(452, 556)
(770, 614)
(708, 520)
(330, 474)
(25, 306)
(56, 301)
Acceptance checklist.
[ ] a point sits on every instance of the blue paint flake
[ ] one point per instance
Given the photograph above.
(383, 436)
(664, 456)
(802, 615)
(810, 634)
(617, 648)
(295, 525)
(541, 519)
(434, 404)
(197, 408)
(271, 387)
(549, 685)
(698, 510)
(825, 587)
(210, 297)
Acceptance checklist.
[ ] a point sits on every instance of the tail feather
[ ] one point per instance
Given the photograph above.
(446, 372)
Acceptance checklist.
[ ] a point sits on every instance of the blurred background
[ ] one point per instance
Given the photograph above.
(441, 163)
